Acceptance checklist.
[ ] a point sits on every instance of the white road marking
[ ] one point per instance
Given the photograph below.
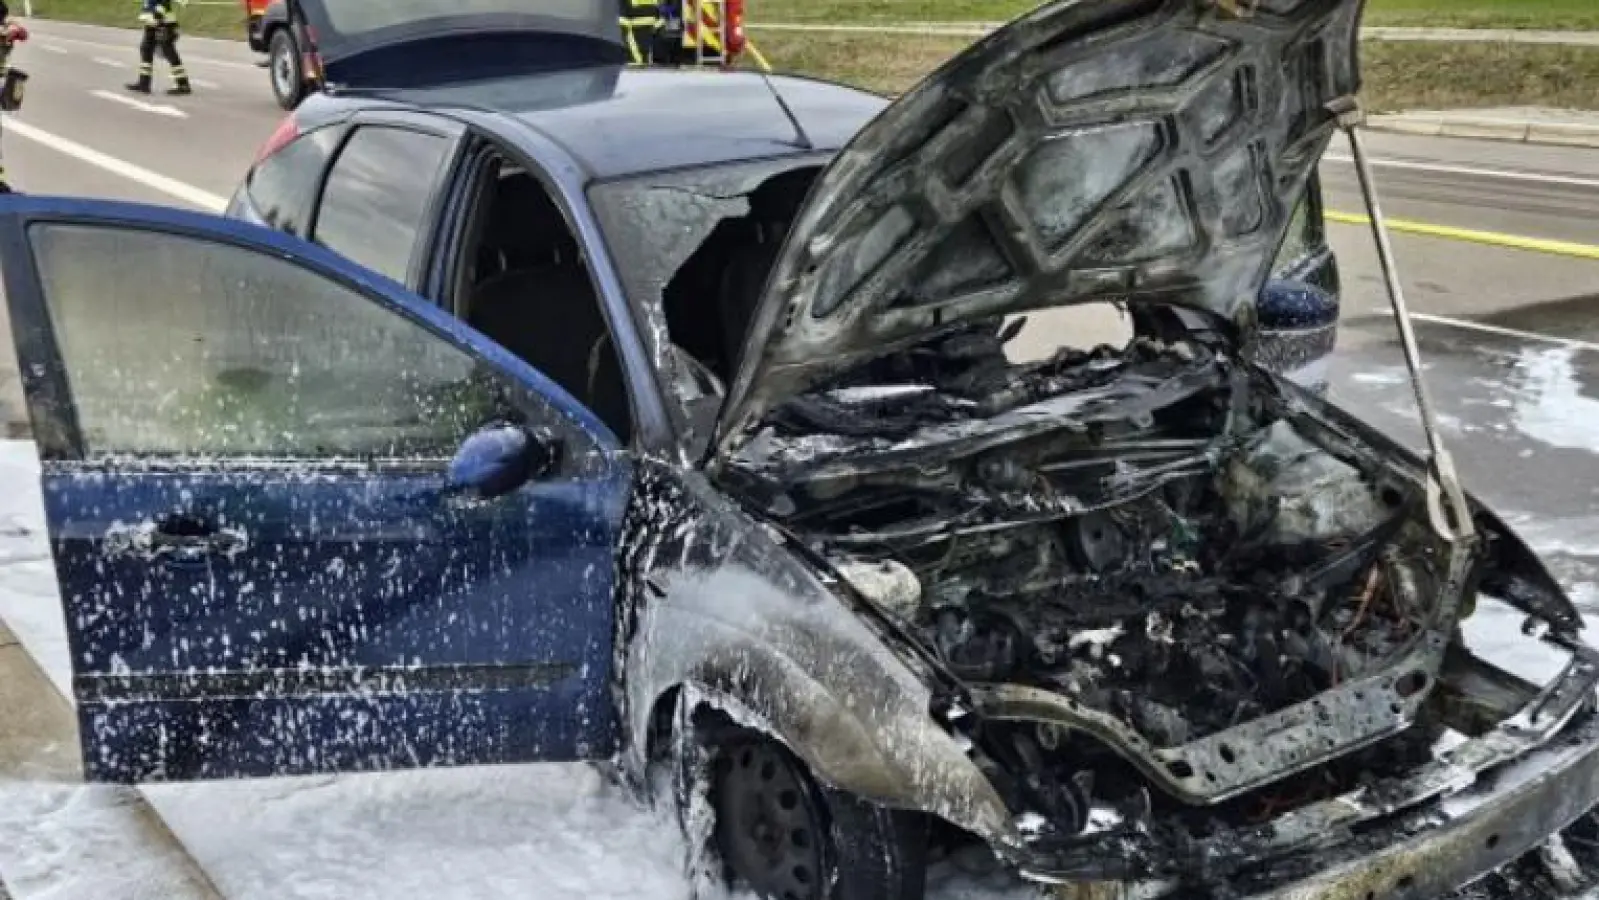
(52, 48)
(123, 64)
(172, 187)
(1473, 171)
(1505, 332)
(1500, 330)
(159, 109)
(206, 60)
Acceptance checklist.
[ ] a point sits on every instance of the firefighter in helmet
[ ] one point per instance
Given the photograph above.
(160, 20)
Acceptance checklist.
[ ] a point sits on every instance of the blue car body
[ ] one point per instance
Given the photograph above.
(331, 583)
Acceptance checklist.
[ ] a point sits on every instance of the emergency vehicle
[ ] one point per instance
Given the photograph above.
(658, 32)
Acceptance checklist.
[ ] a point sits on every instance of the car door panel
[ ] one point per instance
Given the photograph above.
(260, 610)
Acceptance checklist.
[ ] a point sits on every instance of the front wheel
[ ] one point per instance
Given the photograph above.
(777, 832)
(286, 68)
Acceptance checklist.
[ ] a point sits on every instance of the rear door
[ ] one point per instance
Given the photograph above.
(407, 43)
(244, 453)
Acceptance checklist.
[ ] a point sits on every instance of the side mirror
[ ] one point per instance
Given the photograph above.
(1297, 331)
(497, 460)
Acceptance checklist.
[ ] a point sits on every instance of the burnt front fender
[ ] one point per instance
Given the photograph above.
(714, 602)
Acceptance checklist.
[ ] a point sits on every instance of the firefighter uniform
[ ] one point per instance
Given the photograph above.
(641, 21)
(160, 33)
(11, 34)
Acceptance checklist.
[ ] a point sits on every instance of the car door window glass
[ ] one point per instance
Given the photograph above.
(376, 196)
(220, 351)
(283, 186)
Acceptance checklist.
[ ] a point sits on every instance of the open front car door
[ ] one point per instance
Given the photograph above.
(301, 520)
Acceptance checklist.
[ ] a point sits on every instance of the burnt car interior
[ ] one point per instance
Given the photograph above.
(710, 299)
(523, 282)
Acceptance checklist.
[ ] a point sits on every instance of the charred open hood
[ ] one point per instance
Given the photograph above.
(1127, 150)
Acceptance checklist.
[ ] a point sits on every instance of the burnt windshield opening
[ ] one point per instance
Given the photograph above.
(710, 300)
(694, 247)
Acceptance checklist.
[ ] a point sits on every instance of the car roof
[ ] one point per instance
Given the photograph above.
(616, 121)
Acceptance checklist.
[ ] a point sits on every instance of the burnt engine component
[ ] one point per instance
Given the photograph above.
(1135, 539)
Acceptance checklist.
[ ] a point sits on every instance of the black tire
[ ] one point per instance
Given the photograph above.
(285, 68)
(252, 34)
(768, 814)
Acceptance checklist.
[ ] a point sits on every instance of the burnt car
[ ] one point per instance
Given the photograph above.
(1140, 620)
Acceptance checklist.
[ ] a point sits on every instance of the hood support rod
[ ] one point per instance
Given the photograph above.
(1452, 522)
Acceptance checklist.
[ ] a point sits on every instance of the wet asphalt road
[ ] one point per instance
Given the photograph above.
(1520, 416)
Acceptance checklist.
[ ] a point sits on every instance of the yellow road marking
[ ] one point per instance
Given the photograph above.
(1492, 238)
(759, 59)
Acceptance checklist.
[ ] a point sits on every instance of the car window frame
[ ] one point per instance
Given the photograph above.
(432, 210)
(462, 217)
(340, 131)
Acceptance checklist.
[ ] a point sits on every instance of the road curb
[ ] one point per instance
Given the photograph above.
(1517, 131)
(977, 29)
(38, 752)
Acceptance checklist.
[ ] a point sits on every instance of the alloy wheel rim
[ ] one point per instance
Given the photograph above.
(283, 73)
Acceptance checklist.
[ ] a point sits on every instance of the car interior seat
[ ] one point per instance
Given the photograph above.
(542, 306)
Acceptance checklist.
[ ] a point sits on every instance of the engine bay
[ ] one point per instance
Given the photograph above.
(1143, 530)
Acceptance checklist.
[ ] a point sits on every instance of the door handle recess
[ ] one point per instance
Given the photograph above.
(190, 537)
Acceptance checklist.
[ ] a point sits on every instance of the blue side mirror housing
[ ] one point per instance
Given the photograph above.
(1297, 331)
(1287, 305)
(497, 460)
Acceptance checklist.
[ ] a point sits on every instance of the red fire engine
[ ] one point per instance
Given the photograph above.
(689, 32)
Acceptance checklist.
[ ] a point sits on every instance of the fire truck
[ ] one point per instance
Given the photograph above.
(663, 33)
(688, 32)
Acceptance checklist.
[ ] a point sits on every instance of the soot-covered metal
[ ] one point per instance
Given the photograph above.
(1175, 593)
(1140, 614)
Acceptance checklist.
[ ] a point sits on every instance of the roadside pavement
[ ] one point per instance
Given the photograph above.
(60, 838)
(1522, 124)
(1482, 36)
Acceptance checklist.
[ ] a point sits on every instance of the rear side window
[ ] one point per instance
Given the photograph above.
(283, 187)
(377, 195)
